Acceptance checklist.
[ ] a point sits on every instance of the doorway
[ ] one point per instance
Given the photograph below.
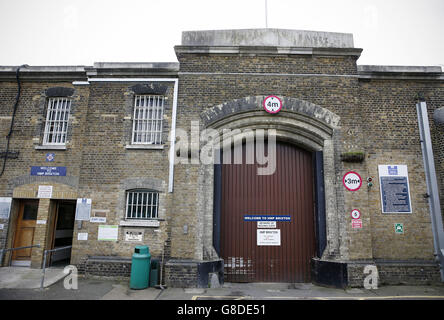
(63, 229)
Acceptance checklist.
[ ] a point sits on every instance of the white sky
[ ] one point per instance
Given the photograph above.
(81, 32)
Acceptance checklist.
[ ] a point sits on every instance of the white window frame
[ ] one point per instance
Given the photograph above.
(142, 204)
(56, 123)
(148, 119)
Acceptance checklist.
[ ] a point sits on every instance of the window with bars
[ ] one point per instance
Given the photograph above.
(142, 204)
(147, 119)
(56, 125)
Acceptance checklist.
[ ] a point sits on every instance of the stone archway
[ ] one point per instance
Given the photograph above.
(299, 122)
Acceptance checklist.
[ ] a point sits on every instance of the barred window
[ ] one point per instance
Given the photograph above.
(142, 204)
(147, 120)
(56, 125)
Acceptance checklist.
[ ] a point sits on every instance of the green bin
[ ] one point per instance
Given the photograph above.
(154, 272)
(140, 268)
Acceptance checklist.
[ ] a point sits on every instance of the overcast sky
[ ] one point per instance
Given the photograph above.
(81, 32)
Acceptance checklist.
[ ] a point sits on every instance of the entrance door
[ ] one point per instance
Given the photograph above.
(268, 252)
(24, 233)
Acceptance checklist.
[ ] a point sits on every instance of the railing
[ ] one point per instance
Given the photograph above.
(45, 253)
(2, 254)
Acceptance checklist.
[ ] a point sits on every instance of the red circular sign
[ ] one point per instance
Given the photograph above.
(355, 214)
(352, 181)
(272, 104)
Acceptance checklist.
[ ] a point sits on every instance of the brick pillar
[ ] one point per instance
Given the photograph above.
(41, 233)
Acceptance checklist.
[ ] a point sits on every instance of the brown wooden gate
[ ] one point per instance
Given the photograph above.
(288, 192)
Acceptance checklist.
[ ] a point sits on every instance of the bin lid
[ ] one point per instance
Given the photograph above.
(142, 249)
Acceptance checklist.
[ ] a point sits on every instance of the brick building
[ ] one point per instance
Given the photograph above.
(91, 163)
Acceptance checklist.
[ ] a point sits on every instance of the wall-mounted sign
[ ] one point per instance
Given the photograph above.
(82, 236)
(268, 237)
(41, 222)
(134, 235)
(108, 233)
(355, 214)
(266, 224)
(272, 104)
(399, 228)
(83, 209)
(395, 190)
(5, 207)
(45, 192)
(48, 171)
(352, 181)
(50, 157)
(97, 219)
(357, 224)
(250, 217)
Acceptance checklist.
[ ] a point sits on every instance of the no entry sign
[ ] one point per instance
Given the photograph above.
(352, 181)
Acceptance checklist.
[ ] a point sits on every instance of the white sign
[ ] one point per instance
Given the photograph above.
(268, 237)
(98, 219)
(45, 192)
(352, 181)
(394, 188)
(83, 209)
(82, 236)
(41, 221)
(108, 233)
(5, 207)
(266, 224)
(355, 214)
(134, 235)
(357, 224)
(2, 226)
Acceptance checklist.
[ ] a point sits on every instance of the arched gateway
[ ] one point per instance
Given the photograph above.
(268, 227)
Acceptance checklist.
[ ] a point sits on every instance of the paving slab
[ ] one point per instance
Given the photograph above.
(27, 278)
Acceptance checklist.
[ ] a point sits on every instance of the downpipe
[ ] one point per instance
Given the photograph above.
(432, 184)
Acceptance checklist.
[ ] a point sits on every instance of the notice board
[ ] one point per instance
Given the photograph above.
(395, 189)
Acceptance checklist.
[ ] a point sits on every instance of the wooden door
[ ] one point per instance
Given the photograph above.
(24, 233)
(288, 192)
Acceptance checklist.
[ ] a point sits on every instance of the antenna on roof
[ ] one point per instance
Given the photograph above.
(266, 13)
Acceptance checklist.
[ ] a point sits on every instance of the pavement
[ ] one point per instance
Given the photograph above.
(18, 283)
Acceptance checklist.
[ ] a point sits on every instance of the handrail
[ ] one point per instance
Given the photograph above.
(44, 261)
(12, 249)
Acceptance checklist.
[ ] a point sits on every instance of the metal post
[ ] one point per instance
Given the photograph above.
(432, 185)
(2, 255)
(44, 269)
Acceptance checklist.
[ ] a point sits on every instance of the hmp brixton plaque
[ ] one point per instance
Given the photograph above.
(395, 190)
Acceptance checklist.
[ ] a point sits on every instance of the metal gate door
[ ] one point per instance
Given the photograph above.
(288, 192)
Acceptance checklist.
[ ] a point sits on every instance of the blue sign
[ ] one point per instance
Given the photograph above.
(266, 218)
(395, 195)
(50, 157)
(48, 171)
(393, 171)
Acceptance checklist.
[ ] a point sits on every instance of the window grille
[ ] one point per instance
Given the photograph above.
(142, 204)
(56, 125)
(147, 120)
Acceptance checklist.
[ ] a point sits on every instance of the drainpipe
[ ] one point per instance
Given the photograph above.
(17, 98)
(432, 184)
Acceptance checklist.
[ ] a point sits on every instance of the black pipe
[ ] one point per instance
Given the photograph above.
(17, 97)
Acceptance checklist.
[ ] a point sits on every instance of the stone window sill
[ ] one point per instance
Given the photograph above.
(49, 147)
(154, 223)
(145, 147)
